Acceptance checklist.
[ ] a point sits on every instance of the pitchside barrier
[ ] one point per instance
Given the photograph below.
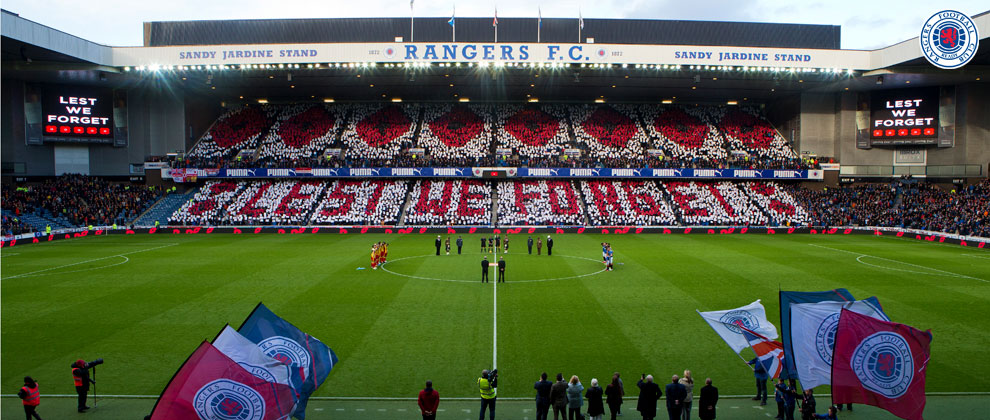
(921, 235)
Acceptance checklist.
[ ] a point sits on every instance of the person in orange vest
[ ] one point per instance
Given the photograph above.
(30, 398)
(80, 375)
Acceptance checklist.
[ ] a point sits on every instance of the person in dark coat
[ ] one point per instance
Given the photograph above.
(460, 243)
(558, 397)
(709, 398)
(429, 400)
(542, 388)
(649, 394)
(438, 243)
(484, 269)
(549, 245)
(760, 373)
(501, 270)
(613, 396)
(676, 393)
(529, 245)
(483, 242)
(594, 395)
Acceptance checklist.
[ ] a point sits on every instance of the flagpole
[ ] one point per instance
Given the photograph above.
(412, 18)
(580, 24)
(539, 23)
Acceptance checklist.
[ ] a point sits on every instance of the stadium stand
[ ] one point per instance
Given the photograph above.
(360, 203)
(163, 210)
(539, 203)
(76, 200)
(448, 203)
(617, 203)
(717, 203)
(457, 135)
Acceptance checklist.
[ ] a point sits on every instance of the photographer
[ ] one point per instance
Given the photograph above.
(80, 375)
(487, 383)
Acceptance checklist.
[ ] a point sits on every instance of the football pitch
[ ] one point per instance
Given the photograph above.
(145, 302)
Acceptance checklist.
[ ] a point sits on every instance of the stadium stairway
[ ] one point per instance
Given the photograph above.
(163, 209)
(405, 206)
(494, 221)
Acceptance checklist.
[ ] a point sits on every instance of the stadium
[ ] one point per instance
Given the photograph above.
(328, 181)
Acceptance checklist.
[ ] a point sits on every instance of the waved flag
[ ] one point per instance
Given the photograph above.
(726, 324)
(813, 327)
(788, 298)
(309, 359)
(247, 354)
(880, 363)
(770, 353)
(210, 385)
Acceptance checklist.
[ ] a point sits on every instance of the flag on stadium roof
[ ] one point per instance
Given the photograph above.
(245, 353)
(880, 363)
(726, 324)
(495, 21)
(210, 385)
(452, 15)
(770, 353)
(305, 354)
(813, 327)
(580, 19)
(786, 299)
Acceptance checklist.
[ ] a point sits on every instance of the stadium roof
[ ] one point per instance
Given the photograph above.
(520, 30)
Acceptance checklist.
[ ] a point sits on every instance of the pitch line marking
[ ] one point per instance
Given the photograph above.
(985, 257)
(861, 255)
(33, 273)
(385, 268)
(126, 260)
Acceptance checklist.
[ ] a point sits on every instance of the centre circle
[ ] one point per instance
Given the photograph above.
(385, 268)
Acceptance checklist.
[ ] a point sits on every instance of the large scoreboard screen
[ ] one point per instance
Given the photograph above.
(904, 116)
(77, 113)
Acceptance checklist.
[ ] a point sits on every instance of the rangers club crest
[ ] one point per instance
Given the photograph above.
(228, 400)
(825, 337)
(949, 39)
(286, 350)
(734, 319)
(883, 364)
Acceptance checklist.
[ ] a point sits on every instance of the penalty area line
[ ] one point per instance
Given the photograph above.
(34, 273)
(860, 255)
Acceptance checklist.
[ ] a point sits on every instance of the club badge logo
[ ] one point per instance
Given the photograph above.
(288, 351)
(825, 337)
(225, 399)
(734, 319)
(883, 364)
(949, 39)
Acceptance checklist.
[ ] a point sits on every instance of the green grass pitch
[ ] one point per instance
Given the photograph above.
(145, 302)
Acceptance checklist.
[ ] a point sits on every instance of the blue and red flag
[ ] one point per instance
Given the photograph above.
(786, 299)
(880, 363)
(210, 385)
(309, 359)
(770, 353)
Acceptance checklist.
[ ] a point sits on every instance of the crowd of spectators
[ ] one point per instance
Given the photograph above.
(782, 208)
(369, 202)
(299, 135)
(12, 225)
(533, 133)
(80, 200)
(456, 132)
(608, 132)
(618, 203)
(448, 203)
(235, 130)
(208, 204)
(539, 203)
(274, 203)
(861, 205)
(714, 203)
(380, 133)
(462, 135)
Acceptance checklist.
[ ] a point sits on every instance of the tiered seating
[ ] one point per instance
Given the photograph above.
(863, 205)
(234, 131)
(781, 206)
(299, 132)
(275, 203)
(379, 132)
(610, 133)
(164, 209)
(539, 203)
(456, 131)
(684, 136)
(617, 203)
(532, 131)
(745, 131)
(446, 203)
(367, 202)
(720, 203)
(208, 205)
(77, 200)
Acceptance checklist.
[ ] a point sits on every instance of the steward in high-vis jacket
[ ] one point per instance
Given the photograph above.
(80, 376)
(30, 397)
